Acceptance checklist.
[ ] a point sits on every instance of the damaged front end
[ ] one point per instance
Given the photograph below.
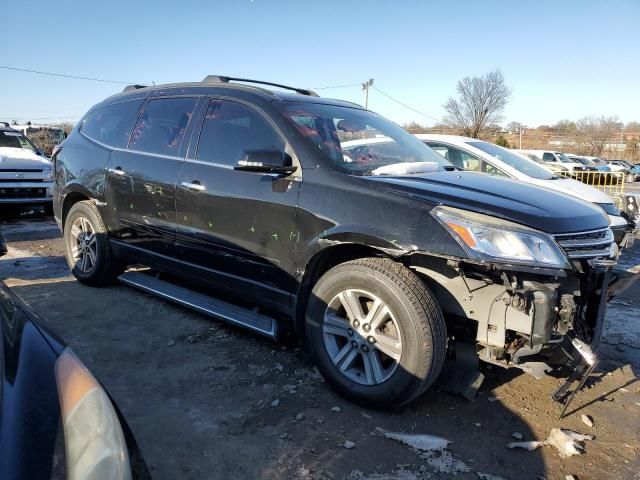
(522, 314)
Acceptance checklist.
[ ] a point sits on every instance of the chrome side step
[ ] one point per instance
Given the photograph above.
(211, 306)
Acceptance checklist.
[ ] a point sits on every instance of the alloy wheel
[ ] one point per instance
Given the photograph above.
(362, 337)
(83, 244)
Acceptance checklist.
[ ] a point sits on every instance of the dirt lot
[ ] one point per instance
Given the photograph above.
(209, 401)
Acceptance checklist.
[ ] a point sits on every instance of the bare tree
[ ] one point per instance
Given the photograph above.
(515, 127)
(480, 102)
(593, 133)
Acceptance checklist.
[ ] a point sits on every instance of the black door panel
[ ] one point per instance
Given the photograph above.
(142, 179)
(237, 223)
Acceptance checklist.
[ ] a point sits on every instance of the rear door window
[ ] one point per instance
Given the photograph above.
(161, 126)
(230, 128)
(111, 125)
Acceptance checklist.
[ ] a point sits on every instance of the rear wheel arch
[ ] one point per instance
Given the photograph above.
(70, 199)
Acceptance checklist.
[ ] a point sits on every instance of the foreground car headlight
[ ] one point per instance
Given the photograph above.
(489, 238)
(94, 442)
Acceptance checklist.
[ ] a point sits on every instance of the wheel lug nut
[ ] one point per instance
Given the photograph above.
(356, 323)
(366, 327)
(370, 339)
(354, 344)
(365, 348)
(350, 332)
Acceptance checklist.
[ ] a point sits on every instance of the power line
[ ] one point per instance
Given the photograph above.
(404, 104)
(337, 86)
(64, 75)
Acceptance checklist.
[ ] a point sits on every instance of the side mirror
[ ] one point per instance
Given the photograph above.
(40, 152)
(266, 161)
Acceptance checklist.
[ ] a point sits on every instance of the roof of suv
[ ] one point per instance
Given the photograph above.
(4, 128)
(246, 85)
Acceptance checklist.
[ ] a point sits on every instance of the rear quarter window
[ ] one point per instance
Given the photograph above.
(112, 124)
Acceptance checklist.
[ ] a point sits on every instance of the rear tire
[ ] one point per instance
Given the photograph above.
(395, 351)
(88, 252)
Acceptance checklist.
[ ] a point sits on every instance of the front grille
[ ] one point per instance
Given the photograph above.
(20, 170)
(21, 192)
(14, 180)
(593, 244)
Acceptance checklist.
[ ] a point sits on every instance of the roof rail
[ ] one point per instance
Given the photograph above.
(223, 79)
(6, 124)
(128, 88)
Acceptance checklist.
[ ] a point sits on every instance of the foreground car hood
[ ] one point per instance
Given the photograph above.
(12, 158)
(575, 189)
(511, 200)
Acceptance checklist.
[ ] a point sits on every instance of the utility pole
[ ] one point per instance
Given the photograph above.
(365, 87)
(520, 138)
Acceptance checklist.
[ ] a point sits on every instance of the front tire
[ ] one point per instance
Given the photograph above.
(88, 252)
(375, 332)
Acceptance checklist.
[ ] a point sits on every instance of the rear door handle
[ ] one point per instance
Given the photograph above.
(116, 171)
(195, 186)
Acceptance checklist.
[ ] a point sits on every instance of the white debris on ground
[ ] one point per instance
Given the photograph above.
(567, 442)
(432, 449)
(400, 474)
(488, 476)
(587, 420)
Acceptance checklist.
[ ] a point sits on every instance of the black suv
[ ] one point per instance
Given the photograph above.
(378, 257)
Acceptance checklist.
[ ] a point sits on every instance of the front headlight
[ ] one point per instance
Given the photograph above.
(94, 442)
(489, 238)
(47, 171)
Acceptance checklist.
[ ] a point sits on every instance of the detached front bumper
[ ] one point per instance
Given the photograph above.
(26, 192)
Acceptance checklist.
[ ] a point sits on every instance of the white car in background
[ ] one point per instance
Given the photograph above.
(484, 157)
(550, 157)
(552, 167)
(26, 175)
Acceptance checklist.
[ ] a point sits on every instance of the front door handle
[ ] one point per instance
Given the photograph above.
(117, 171)
(195, 186)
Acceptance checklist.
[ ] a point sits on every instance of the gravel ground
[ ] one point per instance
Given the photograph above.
(206, 400)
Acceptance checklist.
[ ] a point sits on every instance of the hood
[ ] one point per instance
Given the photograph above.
(18, 158)
(575, 189)
(511, 200)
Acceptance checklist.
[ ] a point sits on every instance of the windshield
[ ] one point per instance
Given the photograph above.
(563, 158)
(360, 142)
(584, 161)
(56, 133)
(15, 140)
(523, 165)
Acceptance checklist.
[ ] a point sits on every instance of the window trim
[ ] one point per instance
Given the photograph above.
(198, 129)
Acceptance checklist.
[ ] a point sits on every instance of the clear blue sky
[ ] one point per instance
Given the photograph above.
(562, 59)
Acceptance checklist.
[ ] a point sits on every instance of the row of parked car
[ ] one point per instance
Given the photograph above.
(568, 162)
